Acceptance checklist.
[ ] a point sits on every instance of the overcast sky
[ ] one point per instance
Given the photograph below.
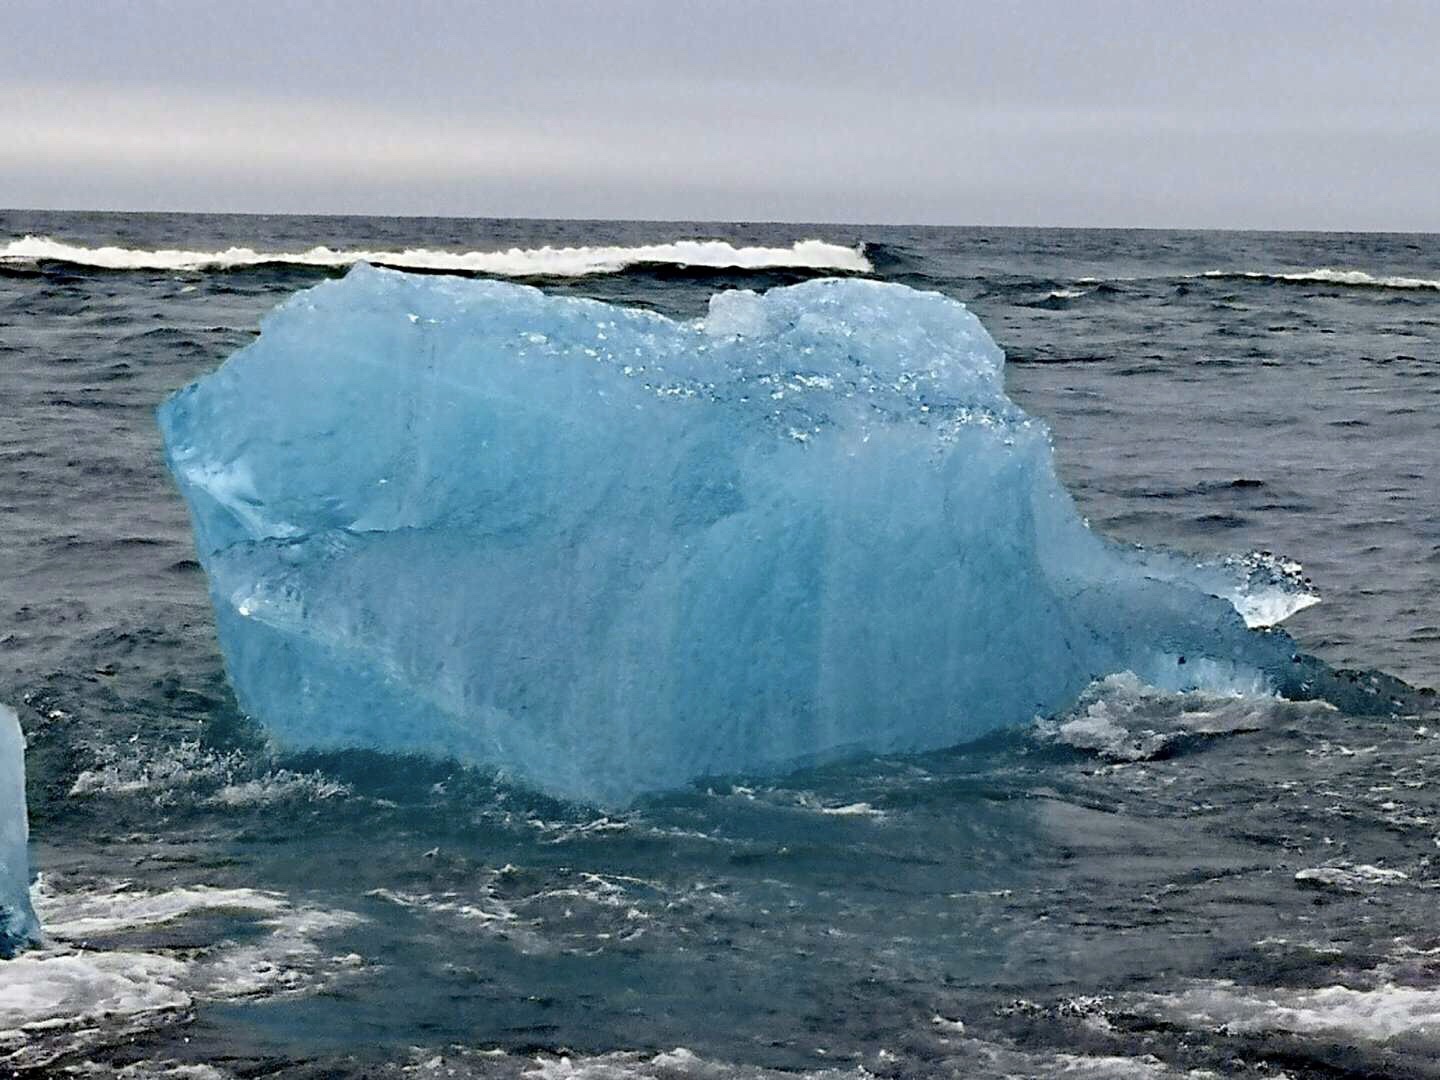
(1263, 114)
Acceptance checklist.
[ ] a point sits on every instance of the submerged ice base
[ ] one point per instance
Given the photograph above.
(18, 925)
(605, 552)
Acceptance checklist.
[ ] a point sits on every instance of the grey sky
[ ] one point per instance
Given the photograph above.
(1272, 114)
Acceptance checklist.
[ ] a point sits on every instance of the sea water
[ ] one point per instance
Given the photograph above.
(1147, 884)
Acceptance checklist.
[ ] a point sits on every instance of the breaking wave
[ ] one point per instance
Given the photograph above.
(1329, 276)
(515, 262)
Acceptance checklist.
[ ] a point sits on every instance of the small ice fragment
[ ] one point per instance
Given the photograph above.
(18, 925)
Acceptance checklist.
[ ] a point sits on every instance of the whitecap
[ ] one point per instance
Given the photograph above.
(515, 262)
(1329, 276)
(1347, 878)
(1383, 1012)
(78, 916)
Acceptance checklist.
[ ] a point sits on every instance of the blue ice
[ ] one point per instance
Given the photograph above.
(18, 925)
(605, 552)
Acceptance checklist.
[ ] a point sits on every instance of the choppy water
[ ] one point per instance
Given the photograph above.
(1149, 886)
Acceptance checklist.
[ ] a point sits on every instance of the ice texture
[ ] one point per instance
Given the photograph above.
(18, 925)
(605, 552)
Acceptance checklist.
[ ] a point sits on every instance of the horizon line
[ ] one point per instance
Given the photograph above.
(725, 221)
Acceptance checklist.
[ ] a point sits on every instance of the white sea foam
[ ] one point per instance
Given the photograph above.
(145, 1070)
(515, 262)
(42, 991)
(287, 960)
(185, 770)
(1331, 1012)
(484, 909)
(281, 785)
(1330, 276)
(1346, 878)
(79, 916)
(668, 1065)
(857, 809)
(459, 1063)
(805, 800)
(69, 995)
(974, 1059)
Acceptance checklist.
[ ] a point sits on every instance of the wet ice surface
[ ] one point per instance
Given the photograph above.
(17, 921)
(605, 553)
(1151, 894)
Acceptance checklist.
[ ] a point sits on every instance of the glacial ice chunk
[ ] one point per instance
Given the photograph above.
(605, 552)
(18, 925)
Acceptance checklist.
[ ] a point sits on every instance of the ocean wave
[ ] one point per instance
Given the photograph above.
(1324, 275)
(515, 262)
(1327, 276)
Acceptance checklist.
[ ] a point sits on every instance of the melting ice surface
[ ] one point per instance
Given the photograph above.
(18, 926)
(605, 552)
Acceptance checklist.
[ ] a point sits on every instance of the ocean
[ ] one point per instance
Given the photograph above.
(1149, 885)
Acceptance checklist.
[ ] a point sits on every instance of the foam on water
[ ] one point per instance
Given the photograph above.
(1358, 279)
(1330, 276)
(1378, 1013)
(1355, 879)
(86, 988)
(145, 1070)
(44, 991)
(974, 1059)
(516, 262)
(80, 916)
(186, 771)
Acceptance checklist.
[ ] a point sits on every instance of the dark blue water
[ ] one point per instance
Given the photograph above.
(1148, 886)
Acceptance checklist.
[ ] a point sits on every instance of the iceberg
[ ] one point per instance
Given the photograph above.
(603, 552)
(18, 925)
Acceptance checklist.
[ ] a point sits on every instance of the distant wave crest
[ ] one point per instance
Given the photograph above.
(516, 262)
(1329, 276)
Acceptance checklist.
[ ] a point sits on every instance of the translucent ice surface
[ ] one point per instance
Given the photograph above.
(605, 552)
(18, 926)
